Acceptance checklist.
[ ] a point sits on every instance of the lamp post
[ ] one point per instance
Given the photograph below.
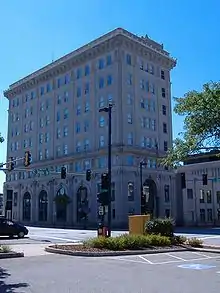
(109, 111)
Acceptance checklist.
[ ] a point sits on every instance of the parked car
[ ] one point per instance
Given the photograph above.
(10, 228)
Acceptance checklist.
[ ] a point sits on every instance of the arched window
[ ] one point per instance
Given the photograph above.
(61, 205)
(27, 207)
(42, 206)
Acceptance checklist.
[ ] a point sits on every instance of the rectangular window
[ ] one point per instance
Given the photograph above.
(78, 92)
(202, 215)
(164, 110)
(109, 80)
(162, 74)
(164, 128)
(78, 73)
(130, 139)
(129, 117)
(218, 197)
(128, 59)
(130, 191)
(209, 215)
(108, 60)
(167, 213)
(87, 70)
(86, 88)
(101, 64)
(163, 92)
(129, 79)
(202, 196)
(101, 82)
(165, 146)
(189, 193)
(209, 196)
(77, 127)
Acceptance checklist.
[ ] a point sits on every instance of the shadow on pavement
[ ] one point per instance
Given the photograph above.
(198, 231)
(9, 288)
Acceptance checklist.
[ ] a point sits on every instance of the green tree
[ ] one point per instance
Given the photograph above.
(201, 124)
(1, 138)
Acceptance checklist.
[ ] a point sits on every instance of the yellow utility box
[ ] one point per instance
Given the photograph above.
(137, 224)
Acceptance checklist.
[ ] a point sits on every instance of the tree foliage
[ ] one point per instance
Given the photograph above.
(1, 138)
(201, 124)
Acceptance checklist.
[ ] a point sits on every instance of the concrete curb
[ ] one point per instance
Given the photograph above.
(4, 255)
(114, 253)
(208, 248)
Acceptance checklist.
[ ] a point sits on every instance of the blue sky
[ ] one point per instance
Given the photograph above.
(34, 32)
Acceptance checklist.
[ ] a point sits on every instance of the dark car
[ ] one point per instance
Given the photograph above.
(10, 228)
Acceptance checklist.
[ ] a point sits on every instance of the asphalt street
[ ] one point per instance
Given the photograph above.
(183, 272)
(53, 235)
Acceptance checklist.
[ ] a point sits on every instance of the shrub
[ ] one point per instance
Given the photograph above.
(178, 239)
(128, 242)
(164, 227)
(4, 249)
(194, 242)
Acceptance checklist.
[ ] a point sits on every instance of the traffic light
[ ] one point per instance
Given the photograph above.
(204, 179)
(88, 175)
(102, 198)
(11, 164)
(63, 173)
(105, 181)
(183, 180)
(27, 158)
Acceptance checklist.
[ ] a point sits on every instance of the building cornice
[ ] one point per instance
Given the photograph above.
(89, 51)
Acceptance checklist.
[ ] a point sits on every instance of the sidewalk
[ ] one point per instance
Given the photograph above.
(30, 249)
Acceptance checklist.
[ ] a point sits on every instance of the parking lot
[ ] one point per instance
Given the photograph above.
(185, 258)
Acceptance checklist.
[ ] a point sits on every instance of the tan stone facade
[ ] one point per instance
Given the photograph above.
(199, 204)
(54, 113)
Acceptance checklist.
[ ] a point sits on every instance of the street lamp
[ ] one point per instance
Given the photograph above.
(109, 111)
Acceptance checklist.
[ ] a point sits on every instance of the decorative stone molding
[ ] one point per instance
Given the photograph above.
(110, 41)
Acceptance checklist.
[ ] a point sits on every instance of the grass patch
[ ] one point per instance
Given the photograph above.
(5, 249)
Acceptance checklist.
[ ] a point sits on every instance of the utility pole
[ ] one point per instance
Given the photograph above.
(109, 111)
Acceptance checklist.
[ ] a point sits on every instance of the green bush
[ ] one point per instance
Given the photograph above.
(4, 249)
(128, 242)
(164, 227)
(194, 242)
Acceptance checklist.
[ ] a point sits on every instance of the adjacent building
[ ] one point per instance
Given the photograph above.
(198, 203)
(54, 113)
(1, 205)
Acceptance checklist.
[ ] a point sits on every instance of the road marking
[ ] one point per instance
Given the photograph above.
(131, 260)
(196, 266)
(186, 260)
(56, 238)
(201, 254)
(176, 257)
(145, 259)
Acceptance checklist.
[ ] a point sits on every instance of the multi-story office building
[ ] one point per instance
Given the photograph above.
(54, 113)
(198, 190)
